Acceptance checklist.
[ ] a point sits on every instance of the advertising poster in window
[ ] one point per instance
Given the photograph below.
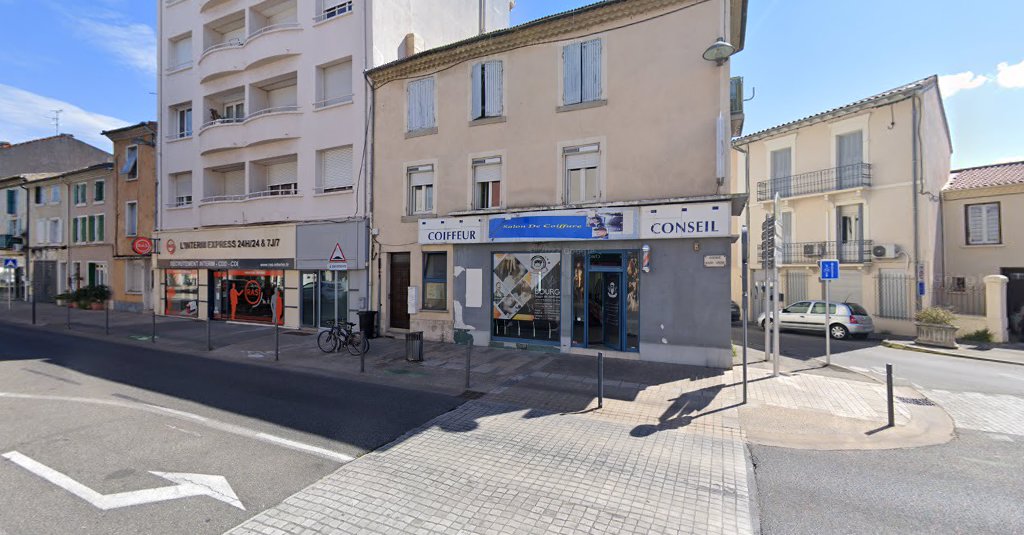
(249, 295)
(181, 292)
(527, 295)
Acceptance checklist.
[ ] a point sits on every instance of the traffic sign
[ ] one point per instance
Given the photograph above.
(11, 263)
(829, 269)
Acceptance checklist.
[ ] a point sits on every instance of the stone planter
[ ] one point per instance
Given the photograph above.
(929, 334)
(96, 306)
(61, 302)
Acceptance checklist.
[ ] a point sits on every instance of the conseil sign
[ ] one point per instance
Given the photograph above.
(685, 220)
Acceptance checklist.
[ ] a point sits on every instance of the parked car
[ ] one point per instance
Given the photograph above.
(734, 310)
(847, 320)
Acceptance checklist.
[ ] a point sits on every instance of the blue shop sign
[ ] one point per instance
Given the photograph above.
(602, 224)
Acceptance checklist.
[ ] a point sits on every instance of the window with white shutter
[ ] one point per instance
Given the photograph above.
(283, 178)
(421, 104)
(487, 182)
(56, 236)
(335, 85)
(41, 231)
(487, 89)
(181, 53)
(983, 225)
(335, 170)
(181, 190)
(582, 182)
(421, 189)
(581, 72)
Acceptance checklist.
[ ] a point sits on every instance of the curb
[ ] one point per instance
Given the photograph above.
(918, 349)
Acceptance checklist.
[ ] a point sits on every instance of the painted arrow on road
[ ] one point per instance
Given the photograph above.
(186, 485)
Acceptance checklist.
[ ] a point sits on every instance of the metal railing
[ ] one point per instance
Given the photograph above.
(179, 135)
(335, 11)
(269, 111)
(821, 181)
(222, 198)
(230, 43)
(278, 190)
(222, 121)
(180, 66)
(182, 201)
(961, 298)
(344, 99)
(851, 252)
(8, 241)
(321, 190)
(273, 27)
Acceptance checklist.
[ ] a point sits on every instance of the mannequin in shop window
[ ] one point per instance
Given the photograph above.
(233, 296)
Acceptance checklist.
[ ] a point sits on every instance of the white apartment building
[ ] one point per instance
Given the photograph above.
(263, 204)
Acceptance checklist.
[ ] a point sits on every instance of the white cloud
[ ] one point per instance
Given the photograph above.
(25, 115)
(1010, 76)
(952, 84)
(133, 44)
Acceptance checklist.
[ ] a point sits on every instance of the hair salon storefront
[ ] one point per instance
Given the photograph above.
(292, 275)
(643, 282)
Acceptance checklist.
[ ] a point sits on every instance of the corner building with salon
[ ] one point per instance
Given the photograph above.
(539, 188)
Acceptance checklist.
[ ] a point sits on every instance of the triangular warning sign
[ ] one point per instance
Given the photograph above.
(338, 255)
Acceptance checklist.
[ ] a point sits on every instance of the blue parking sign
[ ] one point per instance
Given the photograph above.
(829, 269)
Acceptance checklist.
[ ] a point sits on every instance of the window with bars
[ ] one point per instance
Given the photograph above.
(487, 89)
(487, 182)
(421, 189)
(421, 104)
(982, 221)
(581, 72)
(334, 167)
(582, 179)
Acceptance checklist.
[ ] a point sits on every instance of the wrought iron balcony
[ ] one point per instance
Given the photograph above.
(9, 241)
(821, 181)
(808, 253)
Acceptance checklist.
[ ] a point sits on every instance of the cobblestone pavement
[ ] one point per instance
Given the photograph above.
(862, 400)
(536, 456)
(993, 413)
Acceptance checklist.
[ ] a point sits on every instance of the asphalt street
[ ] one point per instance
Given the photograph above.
(88, 427)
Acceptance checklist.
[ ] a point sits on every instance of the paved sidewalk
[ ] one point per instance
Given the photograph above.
(1007, 353)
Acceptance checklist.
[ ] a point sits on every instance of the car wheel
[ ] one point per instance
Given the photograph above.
(839, 332)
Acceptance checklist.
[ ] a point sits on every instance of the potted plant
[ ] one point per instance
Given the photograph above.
(97, 296)
(935, 328)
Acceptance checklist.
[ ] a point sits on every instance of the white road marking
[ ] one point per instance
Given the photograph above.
(186, 485)
(208, 422)
(186, 431)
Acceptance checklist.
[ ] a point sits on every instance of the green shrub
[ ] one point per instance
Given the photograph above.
(935, 316)
(982, 336)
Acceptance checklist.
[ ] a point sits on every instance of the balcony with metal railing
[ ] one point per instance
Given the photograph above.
(9, 241)
(809, 253)
(821, 181)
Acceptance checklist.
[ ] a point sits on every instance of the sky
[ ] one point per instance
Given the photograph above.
(96, 60)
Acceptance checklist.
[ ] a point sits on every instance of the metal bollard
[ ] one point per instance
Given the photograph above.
(209, 343)
(68, 323)
(34, 307)
(277, 342)
(469, 355)
(153, 338)
(600, 380)
(888, 389)
(362, 362)
(106, 319)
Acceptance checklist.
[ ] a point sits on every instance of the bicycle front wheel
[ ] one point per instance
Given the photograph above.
(357, 344)
(327, 341)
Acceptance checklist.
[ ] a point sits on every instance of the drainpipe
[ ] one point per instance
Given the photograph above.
(915, 133)
(745, 150)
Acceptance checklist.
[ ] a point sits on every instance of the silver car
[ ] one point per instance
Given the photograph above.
(848, 319)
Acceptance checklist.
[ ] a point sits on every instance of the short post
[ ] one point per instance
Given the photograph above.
(106, 318)
(34, 307)
(888, 389)
(209, 339)
(153, 338)
(362, 362)
(469, 353)
(68, 322)
(277, 341)
(600, 380)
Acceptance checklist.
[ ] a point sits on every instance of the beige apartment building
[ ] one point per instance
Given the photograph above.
(560, 185)
(89, 225)
(860, 183)
(133, 191)
(263, 205)
(983, 214)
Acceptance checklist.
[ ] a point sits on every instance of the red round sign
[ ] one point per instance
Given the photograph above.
(253, 293)
(142, 246)
(171, 247)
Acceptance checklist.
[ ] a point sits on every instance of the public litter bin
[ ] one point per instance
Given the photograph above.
(414, 346)
(368, 323)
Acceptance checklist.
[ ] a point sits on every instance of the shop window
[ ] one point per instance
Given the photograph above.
(527, 296)
(255, 295)
(435, 281)
(324, 298)
(181, 292)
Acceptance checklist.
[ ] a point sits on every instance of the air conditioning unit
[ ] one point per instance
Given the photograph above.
(814, 249)
(885, 250)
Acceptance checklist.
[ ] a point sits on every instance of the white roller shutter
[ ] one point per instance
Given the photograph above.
(337, 81)
(488, 170)
(183, 185)
(582, 161)
(282, 173)
(336, 168)
(282, 97)
(422, 176)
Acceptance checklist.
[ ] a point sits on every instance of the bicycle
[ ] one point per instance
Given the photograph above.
(340, 335)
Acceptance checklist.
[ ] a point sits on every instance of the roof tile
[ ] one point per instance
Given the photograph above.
(986, 176)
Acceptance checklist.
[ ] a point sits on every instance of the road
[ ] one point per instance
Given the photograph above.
(970, 485)
(104, 417)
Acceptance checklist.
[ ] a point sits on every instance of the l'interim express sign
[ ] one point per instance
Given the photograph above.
(230, 244)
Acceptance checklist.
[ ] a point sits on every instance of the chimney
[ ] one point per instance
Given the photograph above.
(411, 44)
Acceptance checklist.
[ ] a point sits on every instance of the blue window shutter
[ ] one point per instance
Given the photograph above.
(427, 104)
(478, 90)
(493, 89)
(591, 75)
(413, 101)
(571, 77)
